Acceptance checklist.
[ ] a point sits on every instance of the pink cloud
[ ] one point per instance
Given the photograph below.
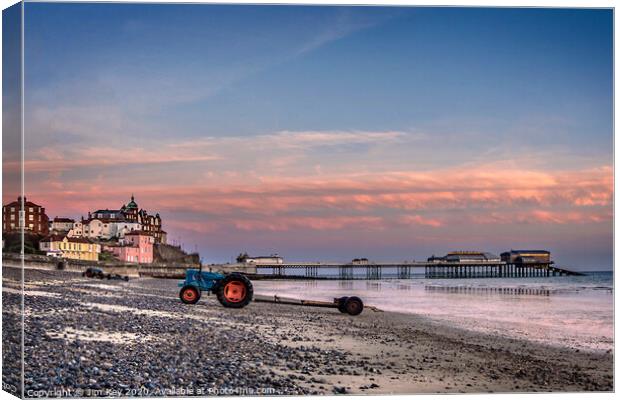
(478, 194)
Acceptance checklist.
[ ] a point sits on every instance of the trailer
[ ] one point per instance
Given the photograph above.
(351, 305)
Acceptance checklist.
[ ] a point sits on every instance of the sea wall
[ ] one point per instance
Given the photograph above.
(156, 270)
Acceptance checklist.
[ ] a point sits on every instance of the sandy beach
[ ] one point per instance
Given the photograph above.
(90, 337)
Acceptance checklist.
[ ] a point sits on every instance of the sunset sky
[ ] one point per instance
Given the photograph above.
(328, 133)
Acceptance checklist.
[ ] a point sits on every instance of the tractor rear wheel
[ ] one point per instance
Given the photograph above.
(235, 291)
(189, 295)
(354, 305)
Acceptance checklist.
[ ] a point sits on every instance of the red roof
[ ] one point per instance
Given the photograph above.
(18, 202)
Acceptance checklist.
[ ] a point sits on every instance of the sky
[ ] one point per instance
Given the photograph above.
(328, 133)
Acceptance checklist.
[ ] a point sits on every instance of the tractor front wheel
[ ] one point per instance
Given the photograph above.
(235, 291)
(189, 295)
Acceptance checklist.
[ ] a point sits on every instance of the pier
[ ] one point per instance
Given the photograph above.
(407, 270)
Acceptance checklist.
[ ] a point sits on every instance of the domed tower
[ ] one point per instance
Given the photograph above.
(132, 203)
(131, 210)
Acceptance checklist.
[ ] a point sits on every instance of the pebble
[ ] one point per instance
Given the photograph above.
(220, 348)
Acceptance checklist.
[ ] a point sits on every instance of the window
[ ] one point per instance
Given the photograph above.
(30, 217)
(31, 209)
(30, 226)
(12, 217)
(12, 226)
(12, 209)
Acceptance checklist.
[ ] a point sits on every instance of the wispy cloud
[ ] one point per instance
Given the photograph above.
(131, 152)
(344, 25)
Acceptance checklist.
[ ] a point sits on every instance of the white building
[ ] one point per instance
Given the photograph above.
(104, 229)
(272, 259)
(77, 230)
(60, 224)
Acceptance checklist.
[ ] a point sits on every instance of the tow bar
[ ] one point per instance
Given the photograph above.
(352, 305)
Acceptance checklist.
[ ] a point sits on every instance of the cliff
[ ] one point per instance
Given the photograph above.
(165, 253)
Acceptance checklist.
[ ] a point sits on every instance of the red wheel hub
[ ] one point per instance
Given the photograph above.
(189, 295)
(234, 291)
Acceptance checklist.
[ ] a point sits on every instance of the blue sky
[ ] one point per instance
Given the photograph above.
(243, 124)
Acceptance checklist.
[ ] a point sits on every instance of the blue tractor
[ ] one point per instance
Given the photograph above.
(233, 290)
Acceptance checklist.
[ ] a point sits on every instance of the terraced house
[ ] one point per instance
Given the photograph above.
(75, 248)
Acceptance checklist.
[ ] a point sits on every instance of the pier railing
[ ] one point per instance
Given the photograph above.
(431, 270)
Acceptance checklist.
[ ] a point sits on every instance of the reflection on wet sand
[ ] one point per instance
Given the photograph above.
(489, 290)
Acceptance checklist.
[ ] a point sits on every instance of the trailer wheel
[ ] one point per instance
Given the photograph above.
(354, 305)
(235, 291)
(341, 302)
(189, 295)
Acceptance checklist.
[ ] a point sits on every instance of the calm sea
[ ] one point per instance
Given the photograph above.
(575, 312)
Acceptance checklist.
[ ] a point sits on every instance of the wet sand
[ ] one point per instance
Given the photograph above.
(98, 337)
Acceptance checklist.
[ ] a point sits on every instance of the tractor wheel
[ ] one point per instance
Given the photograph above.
(189, 295)
(341, 302)
(354, 306)
(235, 291)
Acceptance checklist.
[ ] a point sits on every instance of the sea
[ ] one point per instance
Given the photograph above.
(566, 311)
